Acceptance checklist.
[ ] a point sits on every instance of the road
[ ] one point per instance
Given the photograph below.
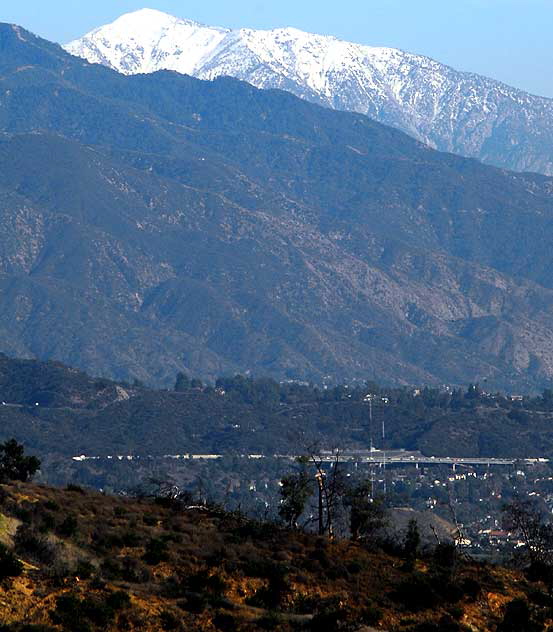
(376, 458)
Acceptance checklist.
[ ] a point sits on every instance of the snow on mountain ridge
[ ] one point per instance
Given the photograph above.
(147, 40)
(453, 111)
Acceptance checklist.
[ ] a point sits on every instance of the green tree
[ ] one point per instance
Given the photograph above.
(412, 542)
(547, 398)
(14, 465)
(182, 382)
(295, 491)
(367, 515)
(473, 392)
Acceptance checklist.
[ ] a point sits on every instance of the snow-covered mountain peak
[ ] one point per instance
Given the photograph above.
(148, 40)
(452, 111)
(144, 22)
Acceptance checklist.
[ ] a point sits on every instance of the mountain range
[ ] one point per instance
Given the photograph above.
(452, 111)
(158, 223)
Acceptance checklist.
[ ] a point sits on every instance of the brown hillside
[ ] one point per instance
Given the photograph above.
(96, 562)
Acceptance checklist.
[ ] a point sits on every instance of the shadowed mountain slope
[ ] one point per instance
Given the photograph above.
(157, 223)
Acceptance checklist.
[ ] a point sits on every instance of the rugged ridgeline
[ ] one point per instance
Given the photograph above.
(453, 111)
(157, 222)
(60, 412)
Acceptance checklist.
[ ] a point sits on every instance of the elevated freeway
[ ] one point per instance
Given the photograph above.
(374, 457)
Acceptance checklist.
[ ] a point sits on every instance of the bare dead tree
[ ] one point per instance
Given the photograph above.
(526, 519)
(329, 489)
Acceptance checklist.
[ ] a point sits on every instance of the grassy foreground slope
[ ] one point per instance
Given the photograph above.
(94, 562)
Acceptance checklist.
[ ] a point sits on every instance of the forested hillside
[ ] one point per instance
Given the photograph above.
(55, 410)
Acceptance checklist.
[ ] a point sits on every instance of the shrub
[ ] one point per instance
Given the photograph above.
(196, 604)
(416, 593)
(128, 569)
(10, 566)
(130, 539)
(32, 544)
(449, 624)
(256, 566)
(97, 611)
(456, 612)
(517, 618)
(69, 614)
(331, 615)
(446, 624)
(540, 599)
(118, 600)
(98, 584)
(75, 488)
(123, 623)
(370, 615)
(471, 588)
(107, 540)
(168, 502)
(77, 614)
(273, 621)
(58, 571)
(256, 530)
(46, 522)
(540, 571)
(304, 604)
(225, 622)
(23, 513)
(169, 621)
(156, 552)
(273, 595)
(175, 538)
(30, 627)
(84, 569)
(68, 527)
(444, 559)
(354, 567)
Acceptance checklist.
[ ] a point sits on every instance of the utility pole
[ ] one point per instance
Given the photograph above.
(384, 452)
(371, 421)
(369, 398)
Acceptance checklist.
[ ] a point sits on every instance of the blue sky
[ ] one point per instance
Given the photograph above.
(510, 40)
